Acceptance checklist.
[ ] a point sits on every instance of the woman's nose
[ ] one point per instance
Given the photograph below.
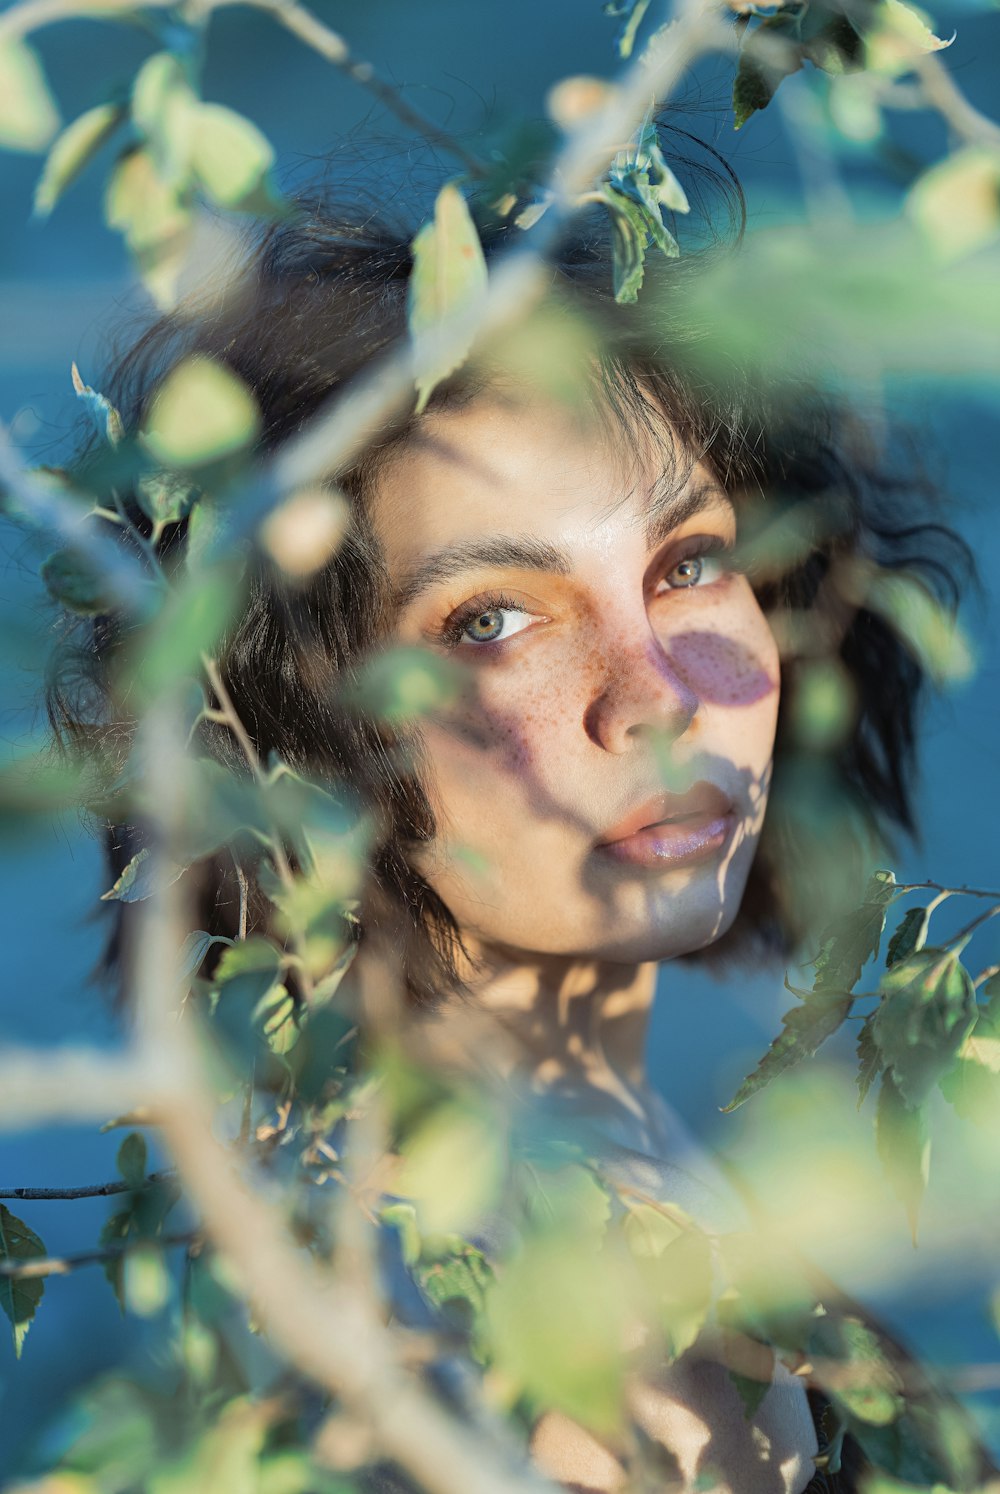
(641, 693)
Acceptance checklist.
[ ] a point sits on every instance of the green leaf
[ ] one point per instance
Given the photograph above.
(972, 1084)
(29, 117)
(853, 939)
(449, 275)
(675, 1262)
(141, 1218)
(904, 1147)
(232, 159)
(634, 12)
(403, 684)
(899, 35)
(107, 421)
(164, 497)
(956, 202)
(869, 1059)
(201, 412)
(72, 152)
(166, 110)
(451, 1168)
(928, 1009)
(252, 954)
(751, 1391)
(805, 1028)
(131, 1159)
(75, 583)
(155, 218)
(192, 621)
(865, 1384)
(145, 1282)
(909, 936)
(629, 238)
(144, 876)
(19, 1297)
(556, 1320)
(757, 75)
(456, 1285)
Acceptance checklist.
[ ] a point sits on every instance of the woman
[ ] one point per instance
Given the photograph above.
(590, 797)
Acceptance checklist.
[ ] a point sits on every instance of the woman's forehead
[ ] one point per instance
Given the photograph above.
(528, 468)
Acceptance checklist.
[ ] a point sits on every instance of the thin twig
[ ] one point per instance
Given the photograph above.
(89, 1190)
(62, 1265)
(940, 887)
(331, 46)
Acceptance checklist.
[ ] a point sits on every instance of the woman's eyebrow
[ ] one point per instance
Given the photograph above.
(665, 512)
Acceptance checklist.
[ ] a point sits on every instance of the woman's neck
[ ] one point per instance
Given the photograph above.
(560, 1023)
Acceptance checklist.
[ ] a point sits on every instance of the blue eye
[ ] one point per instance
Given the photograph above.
(491, 624)
(693, 570)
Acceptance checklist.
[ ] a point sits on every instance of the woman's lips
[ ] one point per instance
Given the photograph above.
(673, 828)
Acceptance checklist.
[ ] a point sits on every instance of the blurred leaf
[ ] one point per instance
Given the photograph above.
(144, 876)
(633, 12)
(191, 622)
(909, 936)
(164, 497)
(119, 1442)
(145, 1283)
(201, 411)
(29, 117)
(927, 628)
(556, 1318)
(232, 159)
(224, 1457)
(853, 939)
(72, 152)
(629, 237)
(972, 1083)
(867, 1385)
(675, 1259)
(956, 202)
(456, 1284)
(898, 36)
(927, 1010)
(572, 100)
(166, 110)
(449, 274)
(304, 533)
(141, 1217)
(19, 1298)
(73, 580)
(404, 683)
(904, 1147)
(155, 219)
(131, 1160)
(107, 421)
(451, 1168)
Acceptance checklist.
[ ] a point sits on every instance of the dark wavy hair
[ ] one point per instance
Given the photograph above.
(322, 294)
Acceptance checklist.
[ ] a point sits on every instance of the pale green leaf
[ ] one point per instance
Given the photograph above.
(155, 219)
(145, 1283)
(144, 876)
(166, 111)
(29, 117)
(898, 37)
(956, 202)
(72, 152)
(451, 1168)
(19, 1297)
(231, 157)
(928, 1009)
(201, 412)
(448, 276)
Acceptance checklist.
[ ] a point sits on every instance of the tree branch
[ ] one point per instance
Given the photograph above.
(62, 1265)
(91, 1190)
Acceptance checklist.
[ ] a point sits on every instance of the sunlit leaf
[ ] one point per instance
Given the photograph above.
(144, 876)
(899, 35)
(164, 497)
(155, 219)
(19, 1297)
(927, 1010)
(29, 117)
(448, 276)
(145, 1283)
(231, 158)
(956, 202)
(166, 111)
(72, 152)
(451, 1168)
(556, 1320)
(201, 411)
(868, 1385)
(405, 683)
(675, 1258)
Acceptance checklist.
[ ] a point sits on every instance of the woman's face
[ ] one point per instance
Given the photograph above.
(599, 786)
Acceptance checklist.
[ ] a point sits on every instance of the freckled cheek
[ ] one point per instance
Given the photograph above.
(507, 721)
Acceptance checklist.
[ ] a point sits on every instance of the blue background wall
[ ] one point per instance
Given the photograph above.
(484, 67)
